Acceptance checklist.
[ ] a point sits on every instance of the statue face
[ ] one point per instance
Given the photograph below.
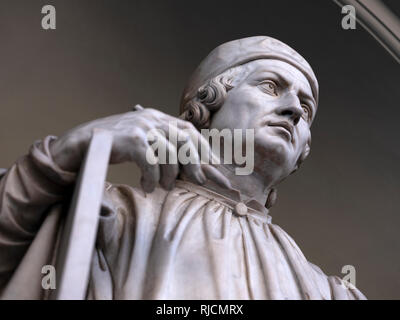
(275, 99)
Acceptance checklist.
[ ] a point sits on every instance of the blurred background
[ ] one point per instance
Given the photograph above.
(342, 207)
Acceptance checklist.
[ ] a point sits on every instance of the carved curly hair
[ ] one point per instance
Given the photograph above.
(210, 97)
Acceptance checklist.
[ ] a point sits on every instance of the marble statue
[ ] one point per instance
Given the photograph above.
(190, 231)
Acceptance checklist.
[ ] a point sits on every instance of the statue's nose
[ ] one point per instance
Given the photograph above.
(290, 108)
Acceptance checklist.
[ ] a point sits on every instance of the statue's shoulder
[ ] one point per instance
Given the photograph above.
(126, 195)
(2, 172)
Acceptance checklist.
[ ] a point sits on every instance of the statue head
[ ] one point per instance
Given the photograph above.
(257, 83)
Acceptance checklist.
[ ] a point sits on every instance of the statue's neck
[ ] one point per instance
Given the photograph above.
(247, 186)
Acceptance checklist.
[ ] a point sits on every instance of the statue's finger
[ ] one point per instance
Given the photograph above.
(137, 107)
(143, 155)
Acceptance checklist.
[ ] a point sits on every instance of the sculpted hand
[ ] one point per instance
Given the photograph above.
(130, 143)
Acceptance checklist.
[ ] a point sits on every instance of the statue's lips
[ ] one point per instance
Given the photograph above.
(285, 126)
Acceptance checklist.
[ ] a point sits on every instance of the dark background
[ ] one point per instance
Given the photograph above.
(342, 207)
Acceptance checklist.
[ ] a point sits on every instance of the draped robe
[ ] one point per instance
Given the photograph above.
(187, 243)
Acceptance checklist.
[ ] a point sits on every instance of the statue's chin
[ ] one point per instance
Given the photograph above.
(273, 158)
(273, 149)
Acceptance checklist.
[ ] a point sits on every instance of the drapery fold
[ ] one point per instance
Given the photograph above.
(187, 243)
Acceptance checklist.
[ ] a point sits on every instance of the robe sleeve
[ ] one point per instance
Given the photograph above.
(344, 290)
(28, 190)
(336, 288)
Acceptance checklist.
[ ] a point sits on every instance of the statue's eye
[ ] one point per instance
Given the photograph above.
(269, 86)
(306, 112)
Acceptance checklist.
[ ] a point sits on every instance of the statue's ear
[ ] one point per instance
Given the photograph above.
(303, 156)
(305, 153)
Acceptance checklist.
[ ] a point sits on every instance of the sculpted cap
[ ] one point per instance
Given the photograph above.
(241, 51)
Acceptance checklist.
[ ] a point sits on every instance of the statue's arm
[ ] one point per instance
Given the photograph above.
(27, 190)
(45, 176)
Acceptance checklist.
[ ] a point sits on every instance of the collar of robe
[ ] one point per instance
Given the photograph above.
(229, 197)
